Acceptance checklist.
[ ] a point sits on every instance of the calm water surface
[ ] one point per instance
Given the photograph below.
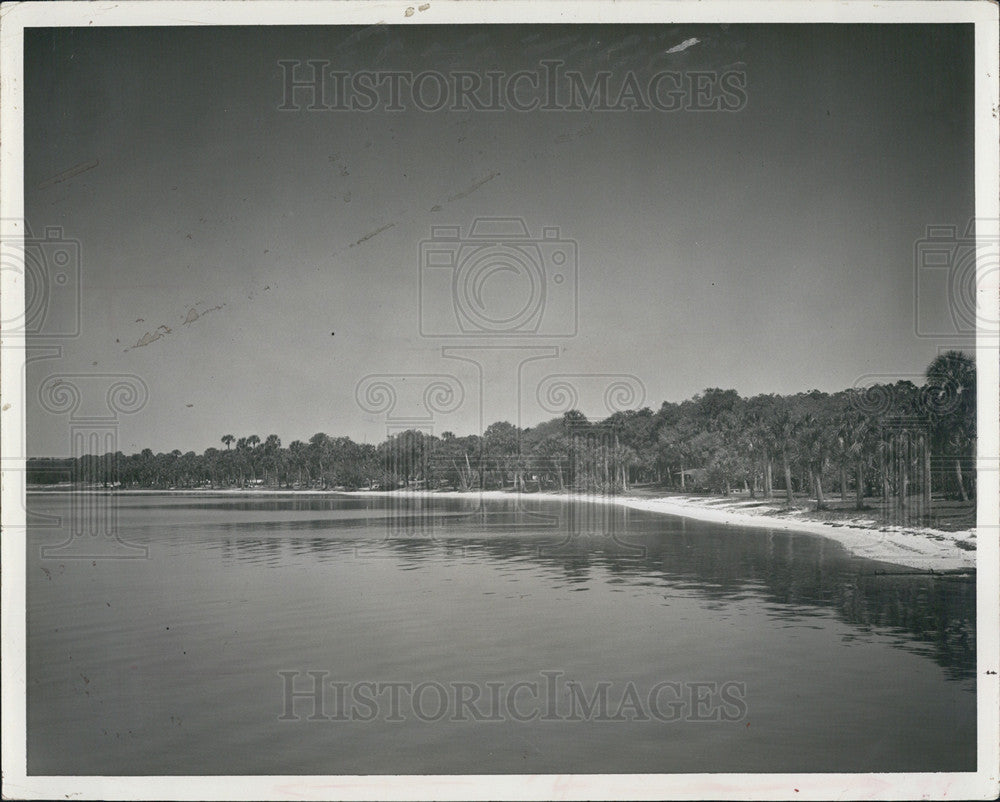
(170, 664)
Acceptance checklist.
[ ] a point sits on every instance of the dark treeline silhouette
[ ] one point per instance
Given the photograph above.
(896, 441)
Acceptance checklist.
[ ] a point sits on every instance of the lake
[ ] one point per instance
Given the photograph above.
(459, 636)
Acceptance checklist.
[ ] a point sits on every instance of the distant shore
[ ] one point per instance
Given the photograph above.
(917, 547)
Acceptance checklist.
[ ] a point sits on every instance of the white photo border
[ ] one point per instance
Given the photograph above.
(982, 784)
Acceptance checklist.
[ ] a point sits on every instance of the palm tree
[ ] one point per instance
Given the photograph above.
(210, 465)
(298, 453)
(950, 395)
(241, 458)
(758, 432)
(227, 459)
(784, 428)
(271, 449)
(677, 446)
(319, 444)
(814, 439)
(854, 441)
(252, 442)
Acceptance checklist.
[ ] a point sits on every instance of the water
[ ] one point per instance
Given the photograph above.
(170, 664)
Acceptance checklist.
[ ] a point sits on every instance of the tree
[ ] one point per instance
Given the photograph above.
(677, 444)
(854, 443)
(758, 411)
(271, 457)
(950, 396)
(252, 442)
(814, 444)
(783, 428)
(209, 465)
(319, 445)
(298, 457)
(502, 448)
(881, 434)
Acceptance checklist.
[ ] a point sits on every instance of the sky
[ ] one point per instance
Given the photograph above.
(768, 248)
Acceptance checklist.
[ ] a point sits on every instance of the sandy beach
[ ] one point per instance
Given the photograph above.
(916, 547)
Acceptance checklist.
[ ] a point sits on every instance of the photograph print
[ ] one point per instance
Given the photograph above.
(482, 390)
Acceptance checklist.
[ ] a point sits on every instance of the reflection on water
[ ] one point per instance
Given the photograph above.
(934, 615)
(450, 589)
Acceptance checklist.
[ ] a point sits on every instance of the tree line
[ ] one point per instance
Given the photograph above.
(897, 441)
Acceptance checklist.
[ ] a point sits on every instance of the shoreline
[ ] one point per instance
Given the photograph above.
(908, 546)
